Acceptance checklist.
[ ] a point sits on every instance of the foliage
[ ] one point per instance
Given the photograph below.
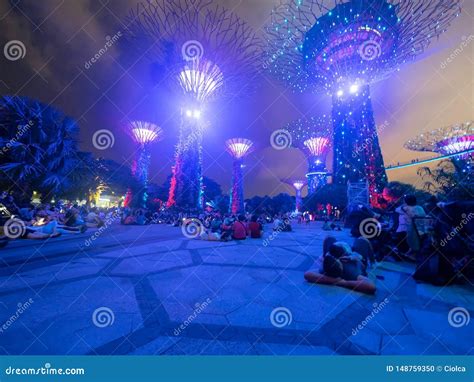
(279, 203)
(334, 194)
(38, 147)
(448, 180)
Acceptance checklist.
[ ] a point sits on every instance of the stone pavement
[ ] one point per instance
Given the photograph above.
(150, 290)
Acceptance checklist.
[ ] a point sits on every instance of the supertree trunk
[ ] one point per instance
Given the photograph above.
(139, 196)
(237, 193)
(357, 154)
(317, 174)
(299, 201)
(186, 191)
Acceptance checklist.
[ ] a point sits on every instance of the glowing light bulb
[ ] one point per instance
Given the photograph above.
(354, 88)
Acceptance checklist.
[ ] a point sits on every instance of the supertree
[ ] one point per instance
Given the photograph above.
(455, 141)
(206, 51)
(313, 137)
(342, 46)
(144, 134)
(298, 185)
(238, 148)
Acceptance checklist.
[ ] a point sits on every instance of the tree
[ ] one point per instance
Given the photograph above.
(449, 179)
(333, 194)
(38, 147)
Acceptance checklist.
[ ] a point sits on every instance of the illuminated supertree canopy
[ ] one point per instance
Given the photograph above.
(452, 139)
(298, 185)
(331, 43)
(238, 148)
(144, 134)
(342, 47)
(455, 142)
(313, 136)
(204, 50)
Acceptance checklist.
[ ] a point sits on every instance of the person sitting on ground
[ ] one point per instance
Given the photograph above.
(239, 229)
(326, 225)
(277, 223)
(255, 228)
(92, 219)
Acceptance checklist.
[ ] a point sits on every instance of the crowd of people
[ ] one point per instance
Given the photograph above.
(438, 237)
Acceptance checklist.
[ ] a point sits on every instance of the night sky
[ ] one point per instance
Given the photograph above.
(60, 36)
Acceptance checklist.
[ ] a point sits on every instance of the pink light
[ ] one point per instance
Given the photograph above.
(238, 147)
(457, 144)
(317, 146)
(145, 132)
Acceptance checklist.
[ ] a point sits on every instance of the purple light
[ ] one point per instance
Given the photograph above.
(238, 147)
